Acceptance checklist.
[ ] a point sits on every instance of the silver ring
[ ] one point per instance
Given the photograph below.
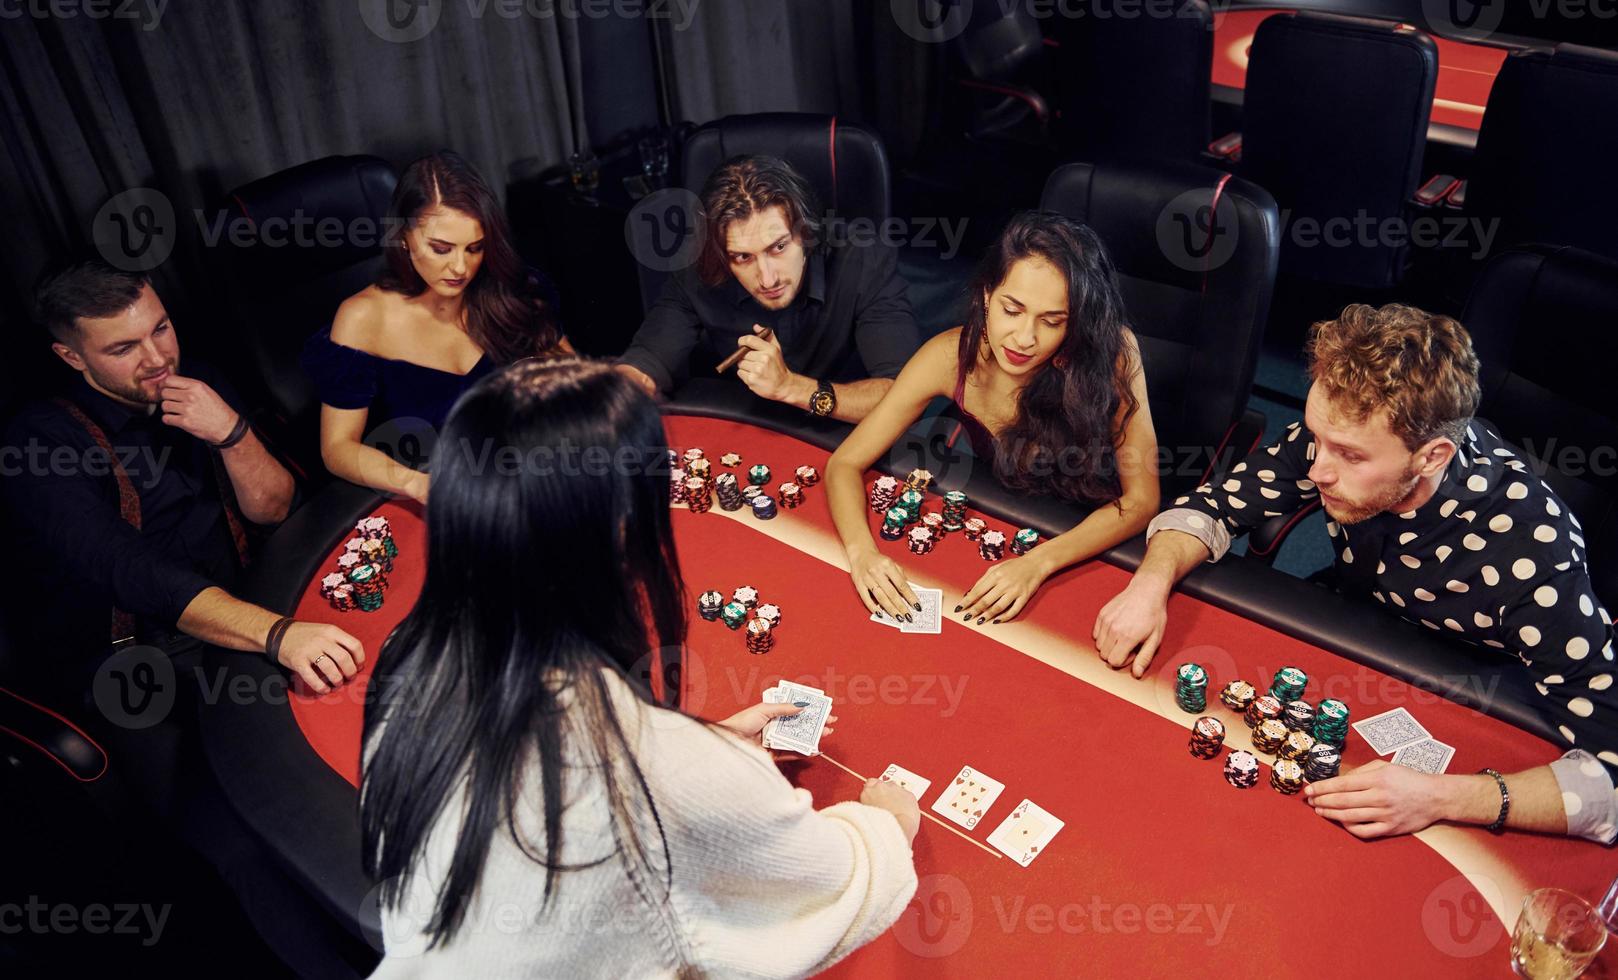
(318, 659)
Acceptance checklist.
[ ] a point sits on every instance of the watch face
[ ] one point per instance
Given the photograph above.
(822, 402)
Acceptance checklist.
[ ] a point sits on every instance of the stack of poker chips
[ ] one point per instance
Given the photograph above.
(734, 614)
(760, 636)
(770, 613)
(934, 523)
(954, 510)
(1298, 716)
(992, 545)
(1191, 688)
(698, 496)
(758, 475)
(730, 459)
(791, 495)
(746, 595)
(372, 550)
(807, 476)
(334, 588)
(910, 500)
(1269, 735)
(883, 492)
(1287, 777)
(1331, 722)
(692, 455)
(369, 584)
(1238, 695)
(751, 493)
(1264, 708)
(377, 528)
(1024, 541)
(1288, 684)
(1296, 746)
(1322, 762)
(973, 527)
(1241, 769)
(893, 523)
(710, 604)
(728, 491)
(677, 480)
(921, 541)
(764, 507)
(918, 480)
(1207, 737)
(699, 468)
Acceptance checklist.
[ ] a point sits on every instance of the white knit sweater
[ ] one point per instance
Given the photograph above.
(764, 885)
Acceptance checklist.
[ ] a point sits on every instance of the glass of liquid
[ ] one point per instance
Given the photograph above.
(1557, 935)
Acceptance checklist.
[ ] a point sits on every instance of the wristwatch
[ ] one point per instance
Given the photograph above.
(824, 401)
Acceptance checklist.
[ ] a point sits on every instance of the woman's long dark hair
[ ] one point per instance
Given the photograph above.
(505, 315)
(542, 575)
(1064, 439)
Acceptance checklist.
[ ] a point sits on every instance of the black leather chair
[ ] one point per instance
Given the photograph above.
(1334, 124)
(846, 165)
(287, 284)
(1133, 87)
(1003, 75)
(1197, 300)
(1542, 320)
(1542, 171)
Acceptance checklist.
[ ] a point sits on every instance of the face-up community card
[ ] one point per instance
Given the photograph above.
(1428, 755)
(968, 798)
(1390, 731)
(1024, 834)
(929, 620)
(906, 779)
(800, 732)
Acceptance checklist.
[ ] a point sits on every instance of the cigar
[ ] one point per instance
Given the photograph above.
(725, 365)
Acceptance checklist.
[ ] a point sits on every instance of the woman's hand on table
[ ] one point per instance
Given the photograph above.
(1003, 590)
(881, 584)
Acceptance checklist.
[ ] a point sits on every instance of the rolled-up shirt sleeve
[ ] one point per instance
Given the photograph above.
(884, 325)
(1588, 799)
(1271, 482)
(69, 519)
(671, 331)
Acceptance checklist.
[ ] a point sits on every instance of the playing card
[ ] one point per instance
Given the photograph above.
(1428, 755)
(968, 798)
(931, 617)
(896, 773)
(1390, 731)
(1024, 834)
(800, 732)
(882, 617)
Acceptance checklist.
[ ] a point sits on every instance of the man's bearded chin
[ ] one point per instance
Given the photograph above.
(1382, 502)
(136, 392)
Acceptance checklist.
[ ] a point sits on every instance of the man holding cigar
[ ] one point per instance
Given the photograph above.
(820, 325)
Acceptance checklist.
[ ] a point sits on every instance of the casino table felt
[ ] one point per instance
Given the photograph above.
(1162, 868)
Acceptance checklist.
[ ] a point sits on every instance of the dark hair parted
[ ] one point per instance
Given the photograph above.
(83, 288)
(742, 187)
(504, 314)
(1070, 409)
(539, 583)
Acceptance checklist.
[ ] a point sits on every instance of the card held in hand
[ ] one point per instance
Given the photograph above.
(800, 732)
(968, 797)
(1025, 834)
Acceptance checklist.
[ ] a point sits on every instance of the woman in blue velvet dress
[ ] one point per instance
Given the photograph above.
(454, 304)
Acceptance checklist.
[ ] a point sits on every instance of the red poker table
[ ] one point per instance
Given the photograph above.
(1162, 867)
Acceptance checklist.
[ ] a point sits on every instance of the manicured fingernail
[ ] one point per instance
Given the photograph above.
(909, 618)
(980, 620)
(957, 608)
(800, 704)
(995, 623)
(966, 618)
(916, 606)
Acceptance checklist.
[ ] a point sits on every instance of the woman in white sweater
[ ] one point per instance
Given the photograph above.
(529, 806)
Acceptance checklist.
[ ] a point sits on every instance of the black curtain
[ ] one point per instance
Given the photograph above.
(213, 93)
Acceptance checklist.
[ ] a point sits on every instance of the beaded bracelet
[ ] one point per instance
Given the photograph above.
(1505, 801)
